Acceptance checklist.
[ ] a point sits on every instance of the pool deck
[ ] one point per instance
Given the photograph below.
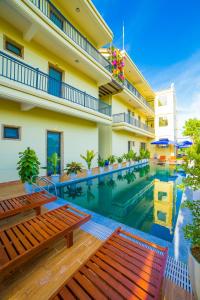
(43, 275)
(39, 278)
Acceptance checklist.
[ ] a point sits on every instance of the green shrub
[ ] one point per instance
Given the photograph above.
(28, 165)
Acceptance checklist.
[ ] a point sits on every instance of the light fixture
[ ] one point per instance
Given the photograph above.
(77, 9)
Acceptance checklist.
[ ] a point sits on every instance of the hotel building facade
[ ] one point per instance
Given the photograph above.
(57, 90)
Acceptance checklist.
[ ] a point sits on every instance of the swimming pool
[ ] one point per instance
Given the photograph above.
(146, 198)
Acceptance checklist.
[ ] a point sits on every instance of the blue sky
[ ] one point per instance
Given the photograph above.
(163, 39)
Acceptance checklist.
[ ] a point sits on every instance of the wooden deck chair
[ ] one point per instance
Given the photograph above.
(124, 267)
(162, 159)
(21, 242)
(13, 206)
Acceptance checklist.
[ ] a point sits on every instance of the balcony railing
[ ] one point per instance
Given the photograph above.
(131, 88)
(18, 71)
(123, 117)
(51, 12)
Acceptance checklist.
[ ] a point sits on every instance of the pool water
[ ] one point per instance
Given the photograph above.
(146, 198)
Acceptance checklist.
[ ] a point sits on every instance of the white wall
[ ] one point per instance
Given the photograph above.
(168, 111)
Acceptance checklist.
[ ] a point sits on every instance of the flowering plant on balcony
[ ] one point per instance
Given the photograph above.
(118, 63)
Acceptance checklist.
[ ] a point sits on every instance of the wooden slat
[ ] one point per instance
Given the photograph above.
(112, 281)
(146, 268)
(101, 284)
(3, 256)
(66, 294)
(149, 277)
(27, 245)
(89, 286)
(77, 290)
(132, 276)
(17, 244)
(136, 253)
(28, 234)
(9, 247)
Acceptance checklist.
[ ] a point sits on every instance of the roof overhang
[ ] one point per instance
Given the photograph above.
(86, 16)
(133, 74)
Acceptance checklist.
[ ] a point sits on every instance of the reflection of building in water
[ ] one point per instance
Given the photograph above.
(164, 203)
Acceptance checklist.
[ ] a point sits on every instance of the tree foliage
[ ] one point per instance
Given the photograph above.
(191, 167)
(192, 129)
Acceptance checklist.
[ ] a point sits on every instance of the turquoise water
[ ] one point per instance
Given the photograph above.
(145, 198)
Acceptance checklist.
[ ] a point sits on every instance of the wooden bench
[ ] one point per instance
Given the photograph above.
(21, 242)
(13, 206)
(121, 268)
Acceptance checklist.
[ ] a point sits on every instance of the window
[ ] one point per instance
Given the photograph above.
(56, 18)
(163, 122)
(162, 216)
(11, 132)
(13, 47)
(131, 145)
(162, 196)
(143, 146)
(162, 101)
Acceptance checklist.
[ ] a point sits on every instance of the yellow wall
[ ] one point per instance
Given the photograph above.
(78, 136)
(38, 57)
(120, 106)
(120, 142)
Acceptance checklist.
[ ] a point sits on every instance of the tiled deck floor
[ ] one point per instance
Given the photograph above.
(39, 278)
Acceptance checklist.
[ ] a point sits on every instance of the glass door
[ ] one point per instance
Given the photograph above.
(54, 145)
(55, 82)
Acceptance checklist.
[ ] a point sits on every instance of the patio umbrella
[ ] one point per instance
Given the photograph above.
(184, 144)
(163, 142)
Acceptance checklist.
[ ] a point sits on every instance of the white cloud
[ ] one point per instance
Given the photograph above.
(186, 77)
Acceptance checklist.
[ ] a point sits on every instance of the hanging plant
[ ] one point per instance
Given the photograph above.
(118, 63)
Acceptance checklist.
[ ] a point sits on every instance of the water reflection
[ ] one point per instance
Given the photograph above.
(144, 198)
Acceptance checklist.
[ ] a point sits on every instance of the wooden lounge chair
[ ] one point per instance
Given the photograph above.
(124, 267)
(162, 159)
(13, 206)
(21, 242)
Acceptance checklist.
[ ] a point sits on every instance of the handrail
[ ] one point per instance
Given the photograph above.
(123, 117)
(131, 88)
(21, 72)
(52, 13)
(44, 179)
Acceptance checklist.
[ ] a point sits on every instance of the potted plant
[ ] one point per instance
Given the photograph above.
(90, 155)
(28, 167)
(73, 168)
(111, 160)
(52, 166)
(129, 156)
(120, 160)
(101, 164)
(142, 155)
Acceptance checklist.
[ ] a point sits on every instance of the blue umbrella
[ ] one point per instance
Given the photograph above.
(163, 142)
(184, 144)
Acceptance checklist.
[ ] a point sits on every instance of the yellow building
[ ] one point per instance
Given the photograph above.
(57, 92)
(132, 112)
(164, 203)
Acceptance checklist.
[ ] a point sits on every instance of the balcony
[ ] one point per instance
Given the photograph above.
(123, 121)
(17, 71)
(53, 14)
(134, 91)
